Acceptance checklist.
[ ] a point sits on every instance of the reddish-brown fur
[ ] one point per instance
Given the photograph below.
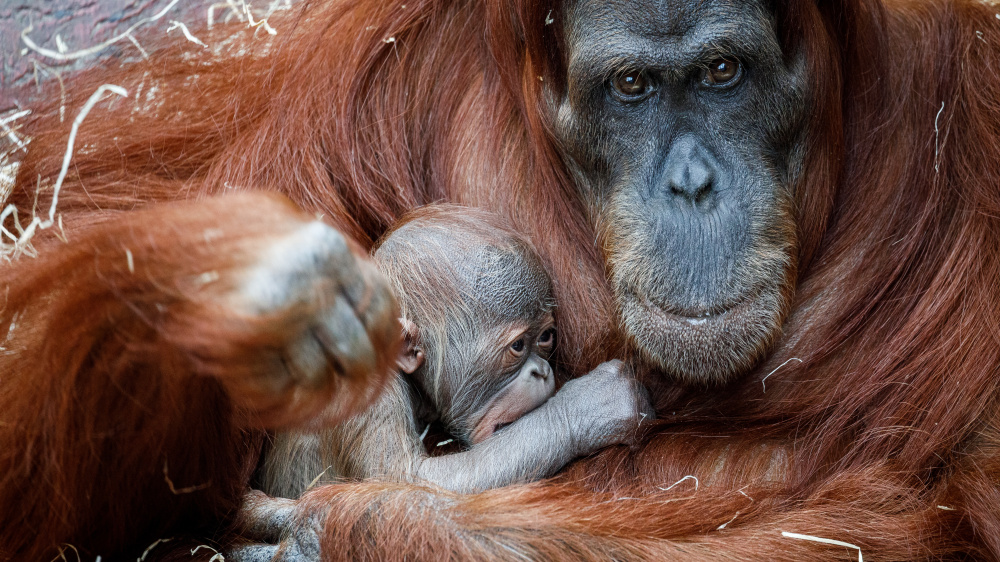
(883, 434)
(131, 403)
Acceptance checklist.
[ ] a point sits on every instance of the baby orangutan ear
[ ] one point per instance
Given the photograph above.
(411, 357)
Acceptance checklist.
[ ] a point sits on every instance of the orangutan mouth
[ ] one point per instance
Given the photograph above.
(711, 319)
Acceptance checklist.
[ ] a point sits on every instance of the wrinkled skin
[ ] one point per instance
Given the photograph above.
(476, 310)
(351, 313)
(685, 166)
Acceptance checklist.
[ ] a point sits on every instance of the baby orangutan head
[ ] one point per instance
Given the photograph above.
(477, 315)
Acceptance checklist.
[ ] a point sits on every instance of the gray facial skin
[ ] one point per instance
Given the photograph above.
(681, 121)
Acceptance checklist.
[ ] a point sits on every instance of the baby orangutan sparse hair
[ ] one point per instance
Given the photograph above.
(478, 325)
(477, 316)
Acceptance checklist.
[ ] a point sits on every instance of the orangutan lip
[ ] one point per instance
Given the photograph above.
(710, 317)
(699, 319)
(489, 427)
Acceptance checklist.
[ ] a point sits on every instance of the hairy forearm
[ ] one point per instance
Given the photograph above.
(599, 409)
(382, 442)
(534, 447)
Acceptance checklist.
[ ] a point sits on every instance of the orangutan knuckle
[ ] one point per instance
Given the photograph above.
(299, 268)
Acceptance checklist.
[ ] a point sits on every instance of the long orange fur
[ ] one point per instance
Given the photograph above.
(881, 433)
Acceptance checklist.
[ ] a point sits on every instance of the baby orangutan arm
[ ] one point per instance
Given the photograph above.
(380, 442)
(593, 411)
(599, 409)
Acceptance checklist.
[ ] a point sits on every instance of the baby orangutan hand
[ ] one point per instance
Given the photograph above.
(602, 408)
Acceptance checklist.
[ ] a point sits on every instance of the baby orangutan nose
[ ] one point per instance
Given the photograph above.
(540, 379)
(541, 370)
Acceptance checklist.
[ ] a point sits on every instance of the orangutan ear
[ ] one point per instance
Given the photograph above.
(411, 356)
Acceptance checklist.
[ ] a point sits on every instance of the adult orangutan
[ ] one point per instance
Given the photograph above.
(795, 211)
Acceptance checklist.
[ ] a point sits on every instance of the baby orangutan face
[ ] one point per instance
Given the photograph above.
(524, 358)
(495, 386)
(479, 349)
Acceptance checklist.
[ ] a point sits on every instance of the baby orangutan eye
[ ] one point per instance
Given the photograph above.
(518, 346)
(547, 338)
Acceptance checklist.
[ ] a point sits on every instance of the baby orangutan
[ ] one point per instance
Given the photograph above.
(478, 324)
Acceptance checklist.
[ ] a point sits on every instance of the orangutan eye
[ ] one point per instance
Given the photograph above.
(632, 85)
(722, 72)
(518, 346)
(547, 338)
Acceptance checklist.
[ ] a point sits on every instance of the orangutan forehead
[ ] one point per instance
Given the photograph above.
(665, 19)
(668, 34)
